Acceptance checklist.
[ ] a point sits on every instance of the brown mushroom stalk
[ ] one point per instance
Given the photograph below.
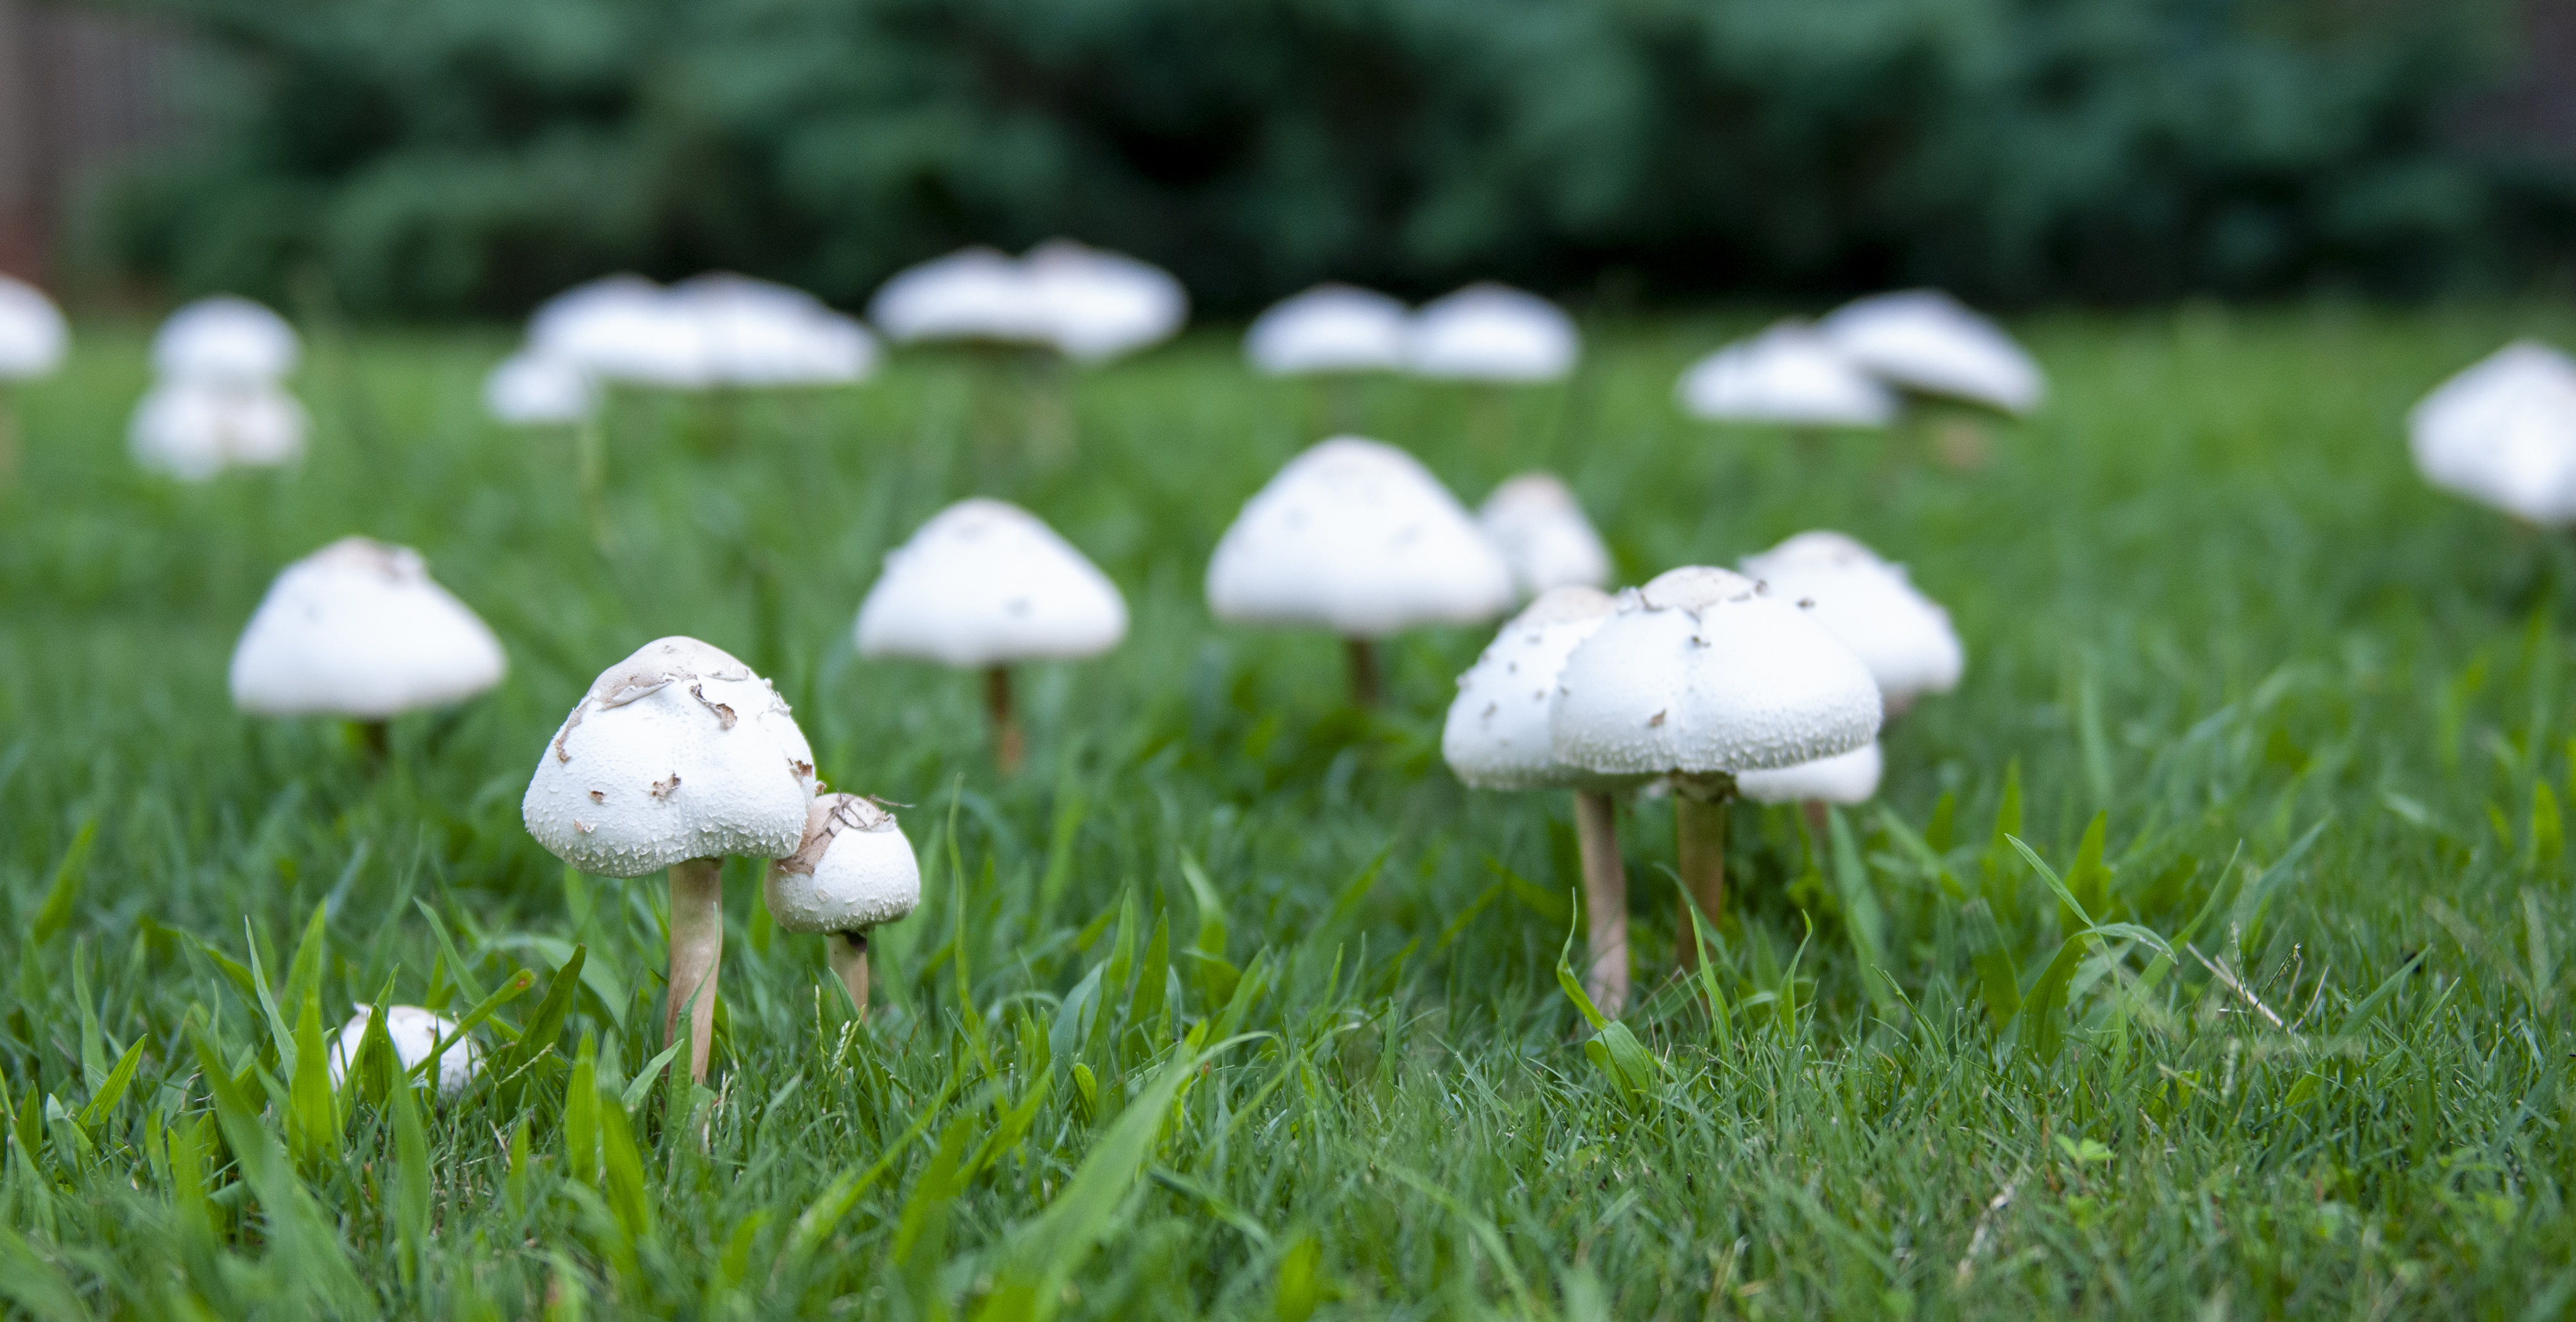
(1699, 829)
(848, 953)
(1365, 688)
(1605, 900)
(697, 949)
(1010, 746)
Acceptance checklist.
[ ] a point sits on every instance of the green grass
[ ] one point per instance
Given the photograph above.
(1324, 1063)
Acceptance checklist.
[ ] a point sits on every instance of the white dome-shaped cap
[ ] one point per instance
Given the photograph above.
(1540, 529)
(33, 335)
(1926, 341)
(2503, 433)
(986, 583)
(853, 871)
(224, 339)
(1788, 374)
(530, 389)
(677, 752)
(1903, 637)
(756, 333)
(195, 427)
(1844, 778)
(1496, 736)
(1357, 537)
(358, 629)
(970, 294)
(1329, 328)
(1490, 332)
(1103, 305)
(414, 1032)
(624, 328)
(1702, 671)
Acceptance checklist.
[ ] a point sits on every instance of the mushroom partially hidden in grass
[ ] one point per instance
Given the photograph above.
(1535, 521)
(360, 631)
(677, 757)
(415, 1033)
(853, 871)
(983, 585)
(1357, 537)
(2503, 433)
(1496, 738)
(1700, 676)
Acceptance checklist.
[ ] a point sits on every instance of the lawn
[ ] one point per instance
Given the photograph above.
(1317, 1061)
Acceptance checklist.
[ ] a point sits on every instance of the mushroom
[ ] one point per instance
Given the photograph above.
(2503, 433)
(1330, 328)
(1844, 778)
(1925, 341)
(224, 338)
(853, 871)
(532, 388)
(1872, 607)
(415, 1033)
(1357, 537)
(359, 630)
(622, 328)
(1496, 737)
(1702, 675)
(1102, 305)
(973, 294)
(676, 757)
(1788, 374)
(1540, 529)
(985, 584)
(757, 333)
(195, 427)
(33, 340)
(1491, 332)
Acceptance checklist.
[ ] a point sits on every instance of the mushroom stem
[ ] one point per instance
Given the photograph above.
(1605, 901)
(1364, 682)
(1817, 823)
(697, 948)
(848, 952)
(372, 737)
(1008, 745)
(1699, 825)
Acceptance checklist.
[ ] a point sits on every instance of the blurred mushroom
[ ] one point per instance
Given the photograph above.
(193, 428)
(224, 338)
(853, 871)
(973, 294)
(1491, 332)
(2503, 433)
(1535, 521)
(533, 389)
(415, 1033)
(1872, 607)
(33, 334)
(754, 333)
(1925, 341)
(1844, 778)
(1330, 328)
(1789, 375)
(1102, 305)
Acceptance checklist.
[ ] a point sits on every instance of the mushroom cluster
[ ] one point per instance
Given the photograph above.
(1853, 368)
(1484, 332)
(1088, 305)
(218, 399)
(713, 331)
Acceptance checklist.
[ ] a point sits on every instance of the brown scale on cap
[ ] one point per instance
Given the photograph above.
(833, 814)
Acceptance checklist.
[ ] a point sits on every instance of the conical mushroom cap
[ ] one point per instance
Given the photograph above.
(359, 629)
(853, 871)
(530, 389)
(1926, 341)
(224, 339)
(986, 583)
(1329, 328)
(1790, 375)
(33, 335)
(1540, 529)
(970, 294)
(677, 752)
(1703, 672)
(195, 427)
(1496, 737)
(1844, 778)
(1903, 637)
(2503, 433)
(1490, 332)
(1103, 305)
(414, 1033)
(1359, 538)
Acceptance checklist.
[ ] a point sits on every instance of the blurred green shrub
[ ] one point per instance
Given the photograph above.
(473, 155)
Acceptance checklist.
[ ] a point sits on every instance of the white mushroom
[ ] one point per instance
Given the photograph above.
(1844, 778)
(677, 756)
(33, 334)
(1925, 341)
(224, 339)
(1788, 374)
(1534, 520)
(1702, 675)
(1359, 538)
(756, 333)
(983, 585)
(1903, 637)
(415, 1033)
(359, 630)
(971, 294)
(531, 389)
(2503, 433)
(623, 328)
(1490, 332)
(1102, 305)
(1329, 328)
(1496, 737)
(853, 871)
(195, 427)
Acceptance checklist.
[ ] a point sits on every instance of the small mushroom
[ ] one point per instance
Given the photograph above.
(224, 339)
(33, 340)
(1357, 537)
(2503, 433)
(984, 585)
(1491, 332)
(621, 328)
(1903, 636)
(1539, 527)
(1789, 375)
(1925, 341)
(973, 294)
(754, 333)
(737, 778)
(533, 389)
(415, 1033)
(853, 871)
(1330, 328)
(1102, 305)
(193, 428)
(1701, 676)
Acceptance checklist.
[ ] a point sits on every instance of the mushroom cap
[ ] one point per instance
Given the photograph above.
(1535, 521)
(1329, 328)
(971, 294)
(758, 333)
(224, 338)
(1928, 342)
(358, 629)
(33, 335)
(1872, 607)
(677, 752)
(532, 389)
(1844, 778)
(1703, 671)
(986, 583)
(1491, 332)
(623, 328)
(195, 427)
(1103, 305)
(1496, 737)
(2503, 433)
(1787, 374)
(853, 870)
(1357, 537)
(414, 1033)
